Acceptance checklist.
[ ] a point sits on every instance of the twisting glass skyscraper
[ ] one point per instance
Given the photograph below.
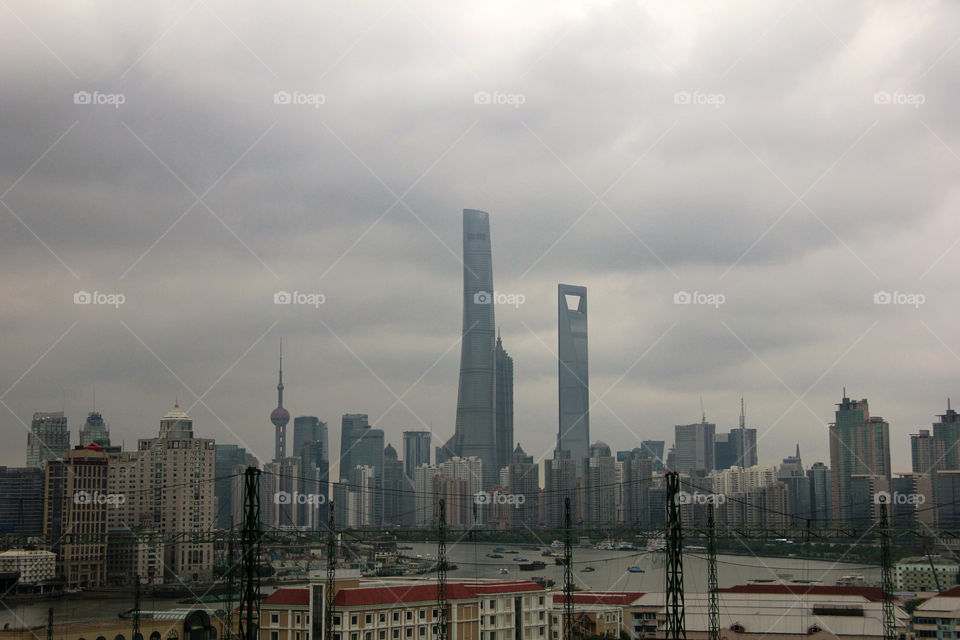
(475, 433)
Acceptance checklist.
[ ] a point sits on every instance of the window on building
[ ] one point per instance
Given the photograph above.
(396, 616)
(383, 617)
(274, 635)
(423, 614)
(367, 619)
(382, 635)
(423, 631)
(409, 616)
(353, 621)
(409, 632)
(336, 621)
(274, 619)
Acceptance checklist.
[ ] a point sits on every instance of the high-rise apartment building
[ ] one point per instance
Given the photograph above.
(694, 447)
(95, 430)
(75, 515)
(637, 479)
(859, 445)
(503, 380)
(362, 496)
(947, 434)
(793, 475)
(397, 491)
(573, 377)
(21, 500)
(655, 451)
(599, 480)
(178, 480)
(351, 426)
(560, 483)
(424, 501)
(314, 513)
(310, 429)
(821, 494)
(416, 451)
(48, 439)
(523, 479)
(229, 462)
(280, 484)
(926, 452)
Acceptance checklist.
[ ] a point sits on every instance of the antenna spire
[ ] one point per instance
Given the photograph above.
(703, 414)
(280, 384)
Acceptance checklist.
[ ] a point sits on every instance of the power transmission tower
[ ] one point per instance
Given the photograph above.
(250, 547)
(676, 629)
(567, 573)
(230, 584)
(136, 608)
(331, 577)
(886, 565)
(442, 569)
(712, 573)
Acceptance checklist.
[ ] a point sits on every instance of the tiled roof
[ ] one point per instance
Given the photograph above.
(873, 594)
(601, 597)
(288, 596)
(367, 596)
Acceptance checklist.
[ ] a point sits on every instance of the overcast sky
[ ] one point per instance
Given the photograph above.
(786, 161)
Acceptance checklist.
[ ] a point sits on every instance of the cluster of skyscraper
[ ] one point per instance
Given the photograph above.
(484, 477)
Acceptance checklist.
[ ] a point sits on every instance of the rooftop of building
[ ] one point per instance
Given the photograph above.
(601, 597)
(401, 593)
(873, 594)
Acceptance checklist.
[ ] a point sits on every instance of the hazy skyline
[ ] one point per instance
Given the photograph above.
(795, 158)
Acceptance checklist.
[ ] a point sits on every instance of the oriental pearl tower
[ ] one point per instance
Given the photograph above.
(280, 416)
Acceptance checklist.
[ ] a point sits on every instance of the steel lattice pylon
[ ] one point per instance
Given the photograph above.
(442, 570)
(712, 584)
(250, 547)
(331, 578)
(567, 573)
(676, 629)
(886, 565)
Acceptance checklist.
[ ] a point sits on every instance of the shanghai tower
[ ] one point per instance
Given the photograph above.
(475, 433)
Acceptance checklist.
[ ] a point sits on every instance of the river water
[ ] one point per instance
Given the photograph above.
(611, 573)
